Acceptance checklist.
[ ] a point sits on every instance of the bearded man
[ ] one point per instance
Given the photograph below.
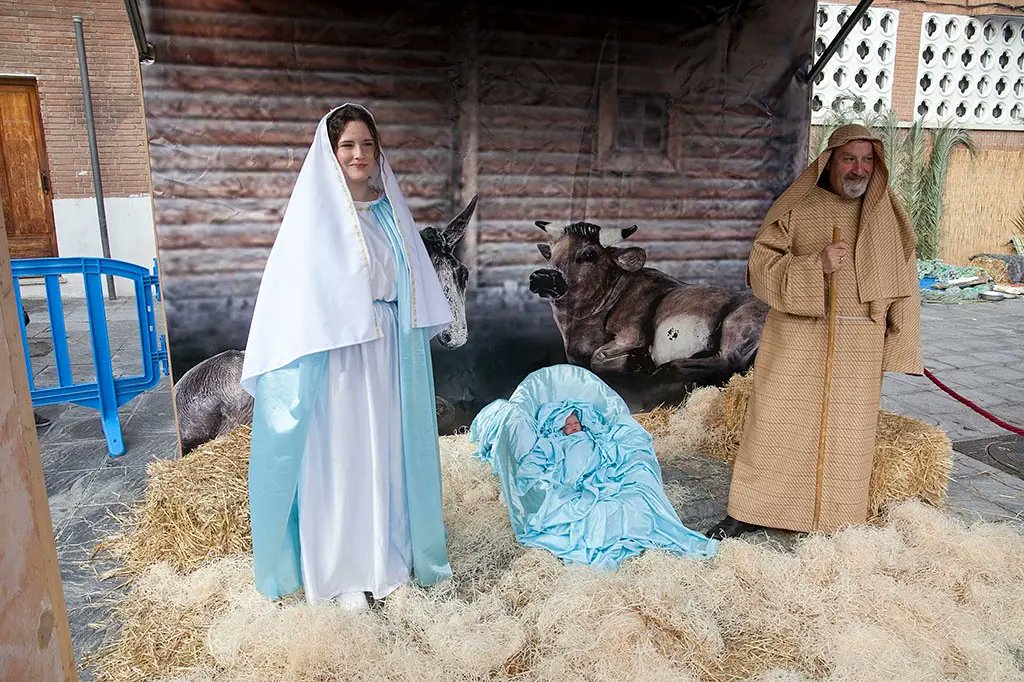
(835, 261)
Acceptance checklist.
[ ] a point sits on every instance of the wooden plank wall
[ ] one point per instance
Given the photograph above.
(471, 97)
(232, 103)
(539, 100)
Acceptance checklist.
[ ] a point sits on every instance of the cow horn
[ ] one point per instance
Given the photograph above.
(542, 224)
(610, 236)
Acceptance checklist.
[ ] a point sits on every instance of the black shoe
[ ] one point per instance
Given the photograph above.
(41, 421)
(731, 528)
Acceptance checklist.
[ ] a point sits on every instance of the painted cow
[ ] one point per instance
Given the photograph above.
(209, 399)
(615, 315)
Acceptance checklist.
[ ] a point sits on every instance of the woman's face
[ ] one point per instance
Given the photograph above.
(356, 152)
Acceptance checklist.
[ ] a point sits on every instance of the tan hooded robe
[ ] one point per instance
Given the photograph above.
(775, 478)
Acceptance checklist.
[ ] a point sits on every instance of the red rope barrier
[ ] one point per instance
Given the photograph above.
(987, 415)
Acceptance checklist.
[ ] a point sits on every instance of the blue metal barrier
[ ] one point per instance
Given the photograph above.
(106, 393)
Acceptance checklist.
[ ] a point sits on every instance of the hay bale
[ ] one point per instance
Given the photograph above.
(912, 459)
(922, 597)
(695, 427)
(735, 398)
(655, 421)
(195, 509)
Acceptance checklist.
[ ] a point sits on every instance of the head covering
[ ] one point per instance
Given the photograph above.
(315, 292)
(884, 231)
(552, 416)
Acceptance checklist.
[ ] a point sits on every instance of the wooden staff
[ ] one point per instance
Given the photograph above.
(830, 350)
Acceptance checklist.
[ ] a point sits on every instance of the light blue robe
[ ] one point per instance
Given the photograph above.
(284, 402)
(595, 497)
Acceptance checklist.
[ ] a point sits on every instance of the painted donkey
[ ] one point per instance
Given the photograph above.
(615, 315)
(209, 399)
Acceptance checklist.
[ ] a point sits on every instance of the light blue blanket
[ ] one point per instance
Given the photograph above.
(594, 497)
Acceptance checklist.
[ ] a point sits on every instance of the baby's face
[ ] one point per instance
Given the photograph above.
(572, 425)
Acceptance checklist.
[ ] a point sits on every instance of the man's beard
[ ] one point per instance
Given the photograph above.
(854, 189)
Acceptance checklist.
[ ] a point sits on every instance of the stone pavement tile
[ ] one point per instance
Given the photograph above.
(77, 541)
(146, 421)
(1011, 374)
(889, 404)
(40, 349)
(53, 412)
(899, 385)
(1005, 392)
(967, 361)
(977, 486)
(66, 491)
(970, 506)
(936, 364)
(975, 378)
(141, 449)
(85, 454)
(156, 401)
(115, 484)
(69, 429)
(88, 628)
(966, 424)
(931, 402)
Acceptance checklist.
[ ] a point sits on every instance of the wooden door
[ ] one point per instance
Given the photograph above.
(24, 177)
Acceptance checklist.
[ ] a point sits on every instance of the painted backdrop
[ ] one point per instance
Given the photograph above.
(686, 123)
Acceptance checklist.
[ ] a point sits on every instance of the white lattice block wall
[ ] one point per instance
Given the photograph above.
(860, 72)
(970, 72)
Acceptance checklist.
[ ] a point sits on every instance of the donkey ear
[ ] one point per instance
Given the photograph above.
(542, 224)
(545, 250)
(456, 229)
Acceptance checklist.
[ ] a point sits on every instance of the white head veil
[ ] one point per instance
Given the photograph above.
(315, 292)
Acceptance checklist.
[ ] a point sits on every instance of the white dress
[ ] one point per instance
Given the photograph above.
(353, 515)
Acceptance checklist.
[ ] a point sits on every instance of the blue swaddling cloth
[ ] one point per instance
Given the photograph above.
(593, 497)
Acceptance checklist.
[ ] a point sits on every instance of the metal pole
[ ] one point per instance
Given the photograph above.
(844, 31)
(90, 123)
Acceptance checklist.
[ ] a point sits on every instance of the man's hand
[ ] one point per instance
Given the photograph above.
(834, 257)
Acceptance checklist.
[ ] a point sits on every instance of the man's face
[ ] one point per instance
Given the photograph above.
(572, 425)
(850, 168)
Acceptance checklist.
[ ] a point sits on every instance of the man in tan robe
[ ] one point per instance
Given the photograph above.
(806, 452)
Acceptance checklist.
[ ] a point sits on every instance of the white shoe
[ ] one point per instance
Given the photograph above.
(352, 601)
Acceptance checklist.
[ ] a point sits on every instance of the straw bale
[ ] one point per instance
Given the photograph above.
(195, 509)
(912, 459)
(697, 426)
(655, 421)
(481, 543)
(735, 398)
(920, 596)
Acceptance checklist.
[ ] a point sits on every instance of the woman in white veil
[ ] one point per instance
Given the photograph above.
(344, 475)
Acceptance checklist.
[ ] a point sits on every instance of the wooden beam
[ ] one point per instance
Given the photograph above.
(35, 640)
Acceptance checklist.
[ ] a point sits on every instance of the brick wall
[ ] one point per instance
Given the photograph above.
(38, 39)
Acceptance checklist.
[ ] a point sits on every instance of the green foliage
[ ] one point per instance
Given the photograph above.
(918, 161)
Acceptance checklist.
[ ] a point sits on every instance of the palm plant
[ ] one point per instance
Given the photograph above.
(918, 164)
